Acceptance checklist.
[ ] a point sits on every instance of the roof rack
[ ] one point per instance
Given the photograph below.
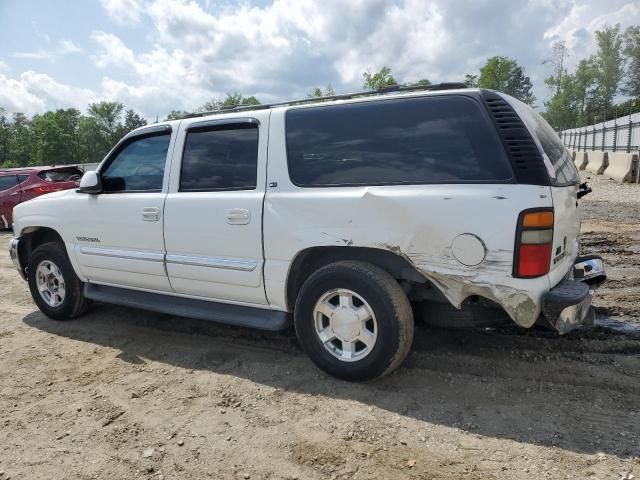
(329, 98)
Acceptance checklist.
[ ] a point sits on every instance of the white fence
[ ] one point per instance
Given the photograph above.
(619, 135)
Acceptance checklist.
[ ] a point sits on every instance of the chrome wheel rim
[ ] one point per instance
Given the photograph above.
(345, 325)
(50, 283)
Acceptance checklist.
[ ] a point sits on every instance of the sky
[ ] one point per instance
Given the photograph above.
(161, 55)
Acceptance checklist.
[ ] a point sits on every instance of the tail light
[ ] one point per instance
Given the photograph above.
(534, 243)
(42, 189)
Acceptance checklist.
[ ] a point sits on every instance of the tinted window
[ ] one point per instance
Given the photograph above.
(8, 181)
(220, 159)
(62, 175)
(565, 171)
(139, 166)
(402, 141)
(22, 178)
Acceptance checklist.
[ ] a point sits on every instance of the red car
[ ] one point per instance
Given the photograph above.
(18, 185)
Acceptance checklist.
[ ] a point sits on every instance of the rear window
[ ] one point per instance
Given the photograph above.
(423, 140)
(8, 181)
(562, 169)
(62, 175)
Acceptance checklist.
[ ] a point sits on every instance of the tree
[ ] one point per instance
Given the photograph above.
(585, 81)
(609, 64)
(232, 99)
(505, 75)
(317, 92)
(131, 121)
(21, 146)
(632, 52)
(176, 115)
(420, 83)
(5, 135)
(557, 61)
(471, 81)
(563, 107)
(378, 80)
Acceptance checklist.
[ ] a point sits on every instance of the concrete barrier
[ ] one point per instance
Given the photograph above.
(622, 166)
(598, 162)
(581, 160)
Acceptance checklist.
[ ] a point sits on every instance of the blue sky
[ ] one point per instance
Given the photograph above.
(159, 55)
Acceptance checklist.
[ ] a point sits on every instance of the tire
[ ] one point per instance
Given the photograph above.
(374, 293)
(53, 258)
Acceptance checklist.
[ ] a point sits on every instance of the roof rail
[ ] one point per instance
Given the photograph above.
(329, 98)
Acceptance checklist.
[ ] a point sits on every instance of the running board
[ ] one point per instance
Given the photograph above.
(239, 316)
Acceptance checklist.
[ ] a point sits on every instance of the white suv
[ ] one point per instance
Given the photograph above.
(343, 215)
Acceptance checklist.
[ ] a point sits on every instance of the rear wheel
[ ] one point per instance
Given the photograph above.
(54, 285)
(354, 320)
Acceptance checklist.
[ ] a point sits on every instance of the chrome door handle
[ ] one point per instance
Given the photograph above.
(150, 214)
(238, 216)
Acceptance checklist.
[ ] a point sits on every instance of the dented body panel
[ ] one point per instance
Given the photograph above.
(417, 222)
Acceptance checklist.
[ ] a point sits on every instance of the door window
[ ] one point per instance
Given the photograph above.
(7, 182)
(221, 158)
(138, 166)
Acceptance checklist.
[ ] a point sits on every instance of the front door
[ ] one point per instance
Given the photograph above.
(10, 196)
(118, 233)
(213, 213)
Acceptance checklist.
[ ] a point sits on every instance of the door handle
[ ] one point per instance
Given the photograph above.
(238, 216)
(15, 194)
(150, 214)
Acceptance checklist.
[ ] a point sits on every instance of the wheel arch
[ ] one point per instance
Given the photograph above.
(32, 237)
(311, 259)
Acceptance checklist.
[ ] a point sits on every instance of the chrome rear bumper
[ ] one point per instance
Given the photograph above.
(15, 256)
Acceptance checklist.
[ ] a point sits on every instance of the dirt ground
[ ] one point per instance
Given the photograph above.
(125, 394)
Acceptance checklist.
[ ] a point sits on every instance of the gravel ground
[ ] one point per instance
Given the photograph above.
(125, 394)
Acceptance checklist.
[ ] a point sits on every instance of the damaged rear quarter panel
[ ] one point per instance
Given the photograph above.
(418, 222)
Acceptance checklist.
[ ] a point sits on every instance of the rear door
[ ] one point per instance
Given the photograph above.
(10, 196)
(564, 189)
(213, 213)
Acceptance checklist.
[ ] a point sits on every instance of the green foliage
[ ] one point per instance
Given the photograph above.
(632, 52)
(471, 81)
(505, 75)
(64, 136)
(420, 83)
(232, 99)
(378, 80)
(608, 64)
(317, 92)
(176, 115)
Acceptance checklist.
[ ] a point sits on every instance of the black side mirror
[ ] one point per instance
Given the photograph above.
(90, 183)
(585, 189)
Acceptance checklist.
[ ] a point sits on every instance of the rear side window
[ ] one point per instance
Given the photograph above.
(423, 140)
(61, 175)
(220, 158)
(8, 181)
(563, 167)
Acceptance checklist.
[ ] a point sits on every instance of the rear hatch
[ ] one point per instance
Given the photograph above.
(564, 180)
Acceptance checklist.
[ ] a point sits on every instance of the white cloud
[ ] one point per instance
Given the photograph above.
(113, 51)
(200, 50)
(123, 11)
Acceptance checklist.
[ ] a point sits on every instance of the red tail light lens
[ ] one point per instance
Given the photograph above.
(42, 189)
(534, 243)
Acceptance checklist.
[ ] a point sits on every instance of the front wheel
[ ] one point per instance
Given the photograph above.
(54, 285)
(354, 320)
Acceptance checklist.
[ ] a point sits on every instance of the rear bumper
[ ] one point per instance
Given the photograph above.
(568, 305)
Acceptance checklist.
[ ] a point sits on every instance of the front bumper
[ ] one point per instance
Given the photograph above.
(568, 305)
(15, 256)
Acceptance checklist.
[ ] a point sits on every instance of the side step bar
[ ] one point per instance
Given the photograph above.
(236, 315)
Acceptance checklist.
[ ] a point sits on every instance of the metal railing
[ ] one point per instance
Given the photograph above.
(618, 135)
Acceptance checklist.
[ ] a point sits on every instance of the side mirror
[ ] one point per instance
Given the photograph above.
(90, 183)
(584, 189)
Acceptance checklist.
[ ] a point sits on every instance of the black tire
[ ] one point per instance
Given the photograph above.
(390, 306)
(74, 303)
